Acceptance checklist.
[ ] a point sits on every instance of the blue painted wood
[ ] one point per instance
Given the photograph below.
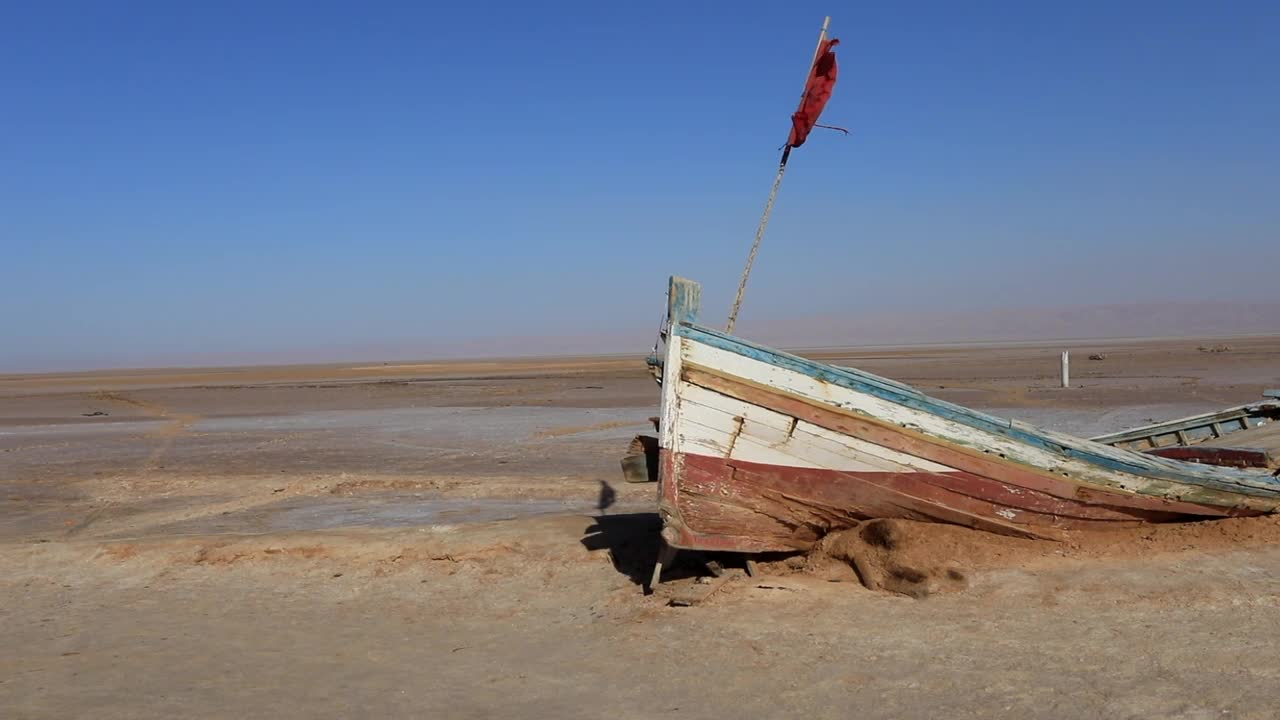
(684, 298)
(1226, 479)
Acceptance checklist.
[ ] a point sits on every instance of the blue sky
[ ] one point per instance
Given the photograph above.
(187, 182)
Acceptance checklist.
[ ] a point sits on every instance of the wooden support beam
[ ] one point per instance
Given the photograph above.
(1225, 457)
(665, 556)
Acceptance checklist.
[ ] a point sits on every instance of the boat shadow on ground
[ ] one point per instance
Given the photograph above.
(633, 541)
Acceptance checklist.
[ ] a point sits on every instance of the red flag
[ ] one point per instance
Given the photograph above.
(817, 91)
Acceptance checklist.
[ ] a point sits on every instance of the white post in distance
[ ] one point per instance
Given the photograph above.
(1066, 368)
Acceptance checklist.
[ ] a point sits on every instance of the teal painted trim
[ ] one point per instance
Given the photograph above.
(1226, 479)
(684, 298)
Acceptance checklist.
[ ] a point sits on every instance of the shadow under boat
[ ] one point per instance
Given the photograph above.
(762, 451)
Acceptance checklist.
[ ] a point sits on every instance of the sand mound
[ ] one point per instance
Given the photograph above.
(919, 559)
(908, 558)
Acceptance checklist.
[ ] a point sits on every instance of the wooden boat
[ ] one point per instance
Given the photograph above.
(1242, 436)
(765, 451)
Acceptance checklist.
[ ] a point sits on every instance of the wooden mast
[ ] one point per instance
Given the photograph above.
(773, 193)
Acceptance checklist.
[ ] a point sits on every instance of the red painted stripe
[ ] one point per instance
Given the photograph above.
(1229, 457)
(731, 505)
(1002, 472)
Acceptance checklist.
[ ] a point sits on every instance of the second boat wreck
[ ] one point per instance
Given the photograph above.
(764, 451)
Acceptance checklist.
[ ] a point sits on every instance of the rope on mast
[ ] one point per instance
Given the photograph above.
(773, 194)
(755, 246)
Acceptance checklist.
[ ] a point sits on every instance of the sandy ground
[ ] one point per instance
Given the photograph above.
(425, 540)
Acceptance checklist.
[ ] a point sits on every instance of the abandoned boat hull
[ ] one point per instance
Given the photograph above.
(1243, 436)
(764, 451)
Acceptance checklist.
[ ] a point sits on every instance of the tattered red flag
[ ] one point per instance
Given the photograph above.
(817, 91)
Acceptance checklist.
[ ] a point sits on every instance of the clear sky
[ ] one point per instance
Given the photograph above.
(192, 182)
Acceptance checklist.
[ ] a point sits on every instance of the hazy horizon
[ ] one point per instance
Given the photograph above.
(1084, 324)
(238, 180)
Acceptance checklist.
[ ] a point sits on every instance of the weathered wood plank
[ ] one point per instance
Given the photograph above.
(1236, 416)
(865, 387)
(785, 430)
(1104, 465)
(711, 426)
(762, 450)
(789, 508)
(1228, 457)
(640, 464)
(1266, 436)
(910, 441)
(684, 299)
